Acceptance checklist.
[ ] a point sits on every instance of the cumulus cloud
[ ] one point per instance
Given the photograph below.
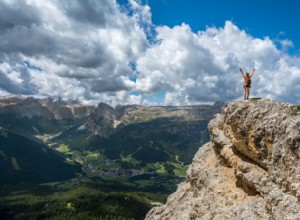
(102, 51)
(82, 48)
(204, 66)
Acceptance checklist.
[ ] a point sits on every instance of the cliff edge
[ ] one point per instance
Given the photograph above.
(249, 170)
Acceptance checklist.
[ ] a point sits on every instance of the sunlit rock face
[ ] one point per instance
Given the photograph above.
(249, 170)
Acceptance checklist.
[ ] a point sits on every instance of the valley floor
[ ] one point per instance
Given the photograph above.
(85, 198)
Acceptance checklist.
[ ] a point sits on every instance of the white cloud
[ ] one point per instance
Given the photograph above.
(204, 66)
(76, 44)
(86, 50)
(286, 44)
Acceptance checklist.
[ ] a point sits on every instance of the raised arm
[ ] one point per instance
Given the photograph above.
(253, 72)
(241, 71)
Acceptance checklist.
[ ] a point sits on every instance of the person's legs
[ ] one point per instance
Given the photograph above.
(247, 92)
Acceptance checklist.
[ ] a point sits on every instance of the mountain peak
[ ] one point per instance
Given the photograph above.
(249, 170)
(105, 106)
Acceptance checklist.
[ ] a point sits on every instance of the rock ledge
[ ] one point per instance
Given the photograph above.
(249, 170)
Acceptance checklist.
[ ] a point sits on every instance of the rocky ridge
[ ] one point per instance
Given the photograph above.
(66, 109)
(48, 107)
(249, 170)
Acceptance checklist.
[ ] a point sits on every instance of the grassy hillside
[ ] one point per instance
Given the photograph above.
(159, 146)
(158, 140)
(24, 160)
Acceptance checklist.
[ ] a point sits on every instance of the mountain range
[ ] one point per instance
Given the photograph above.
(73, 138)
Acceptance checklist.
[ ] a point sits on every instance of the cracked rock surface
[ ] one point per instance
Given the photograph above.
(249, 170)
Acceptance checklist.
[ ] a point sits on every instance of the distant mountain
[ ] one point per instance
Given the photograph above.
(147, 134)
(26, 116)
(130, 140)
(66, 110)
(25, 161)
(30, 116)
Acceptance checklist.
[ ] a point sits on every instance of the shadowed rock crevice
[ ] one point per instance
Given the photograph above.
(246, 186)
(246, 159)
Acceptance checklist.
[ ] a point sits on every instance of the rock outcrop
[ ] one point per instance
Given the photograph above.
(249, 170)
(67, 109)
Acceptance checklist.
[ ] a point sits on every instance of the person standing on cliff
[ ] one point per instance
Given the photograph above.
(247, 83)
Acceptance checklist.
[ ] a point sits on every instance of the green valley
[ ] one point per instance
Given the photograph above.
(64, 159)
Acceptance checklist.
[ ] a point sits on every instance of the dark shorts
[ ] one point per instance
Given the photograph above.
(247, 88)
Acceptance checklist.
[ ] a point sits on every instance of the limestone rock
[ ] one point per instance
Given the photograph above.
(249, 170)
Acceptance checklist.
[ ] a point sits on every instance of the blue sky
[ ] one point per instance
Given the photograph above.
(149, 52)
(277, 19)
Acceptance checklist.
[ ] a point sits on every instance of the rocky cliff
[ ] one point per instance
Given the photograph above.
(249, 170)
(48, 108)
